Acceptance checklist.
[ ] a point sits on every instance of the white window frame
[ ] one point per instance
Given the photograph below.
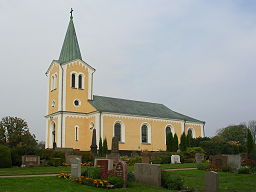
(193, 132)
(148, 133)
(122, 130)
(82, 80)
(76, 83)
(172, 130)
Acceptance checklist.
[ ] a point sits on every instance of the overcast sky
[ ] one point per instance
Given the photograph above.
(196, 57)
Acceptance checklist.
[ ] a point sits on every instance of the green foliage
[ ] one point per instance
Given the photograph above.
(161, 158)
(116, 181)
(105, 147)
(244, 170)
(100, 151)
(226, 169)
(56, 162)
(18, 151)
(133, 160)
(203, 166)
(175, 143)
(172, 182)
(250, 143)
(236, 133)
(130, 176)
(169, 142)
(92, 172)
(86, 155)
(189, 139)
(5, 157)
(183, 142)
(194, 150)
(195, 142)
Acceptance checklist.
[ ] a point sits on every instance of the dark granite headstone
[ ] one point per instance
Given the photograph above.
(211, 181)
(114, 150)
(121, 171)
(94, 145)
(105, 164)
(218, 161)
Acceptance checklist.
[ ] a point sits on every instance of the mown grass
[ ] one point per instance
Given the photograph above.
(54, 184)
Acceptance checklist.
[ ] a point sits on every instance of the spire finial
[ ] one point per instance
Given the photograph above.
(71, 16)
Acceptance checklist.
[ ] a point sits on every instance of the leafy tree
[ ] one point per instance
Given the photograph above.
(5, 157)
(175, 143)
(14, 131)
(169, 142)
(236, 133)
(250, 143)
(195, 142)
(183, 142)
(252, 127)
(105, 147)
(100, 152)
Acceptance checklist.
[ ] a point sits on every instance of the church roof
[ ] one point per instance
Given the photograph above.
(70, 48)
(139, 108)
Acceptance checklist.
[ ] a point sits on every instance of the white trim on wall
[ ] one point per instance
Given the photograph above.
(46, 133)
(64, 131)
(202, 130)
(64, 86)
(58, 143)
(97, 126)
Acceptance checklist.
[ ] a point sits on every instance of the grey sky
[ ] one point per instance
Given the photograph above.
(196, 57)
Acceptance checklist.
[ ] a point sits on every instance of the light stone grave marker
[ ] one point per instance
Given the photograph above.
(75, 167)
(175, 159)
(30, 160)
(211, 181)
(199, 157)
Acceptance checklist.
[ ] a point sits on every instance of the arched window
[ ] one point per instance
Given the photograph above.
(53, 132)
(191, 132)
(167, 131)
(117, 131)
(52, 83)
(55, 81)
(144, 134)
(76, 133)
(73, 80)
(80, 81)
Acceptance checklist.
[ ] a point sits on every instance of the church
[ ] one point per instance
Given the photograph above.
(73, 111)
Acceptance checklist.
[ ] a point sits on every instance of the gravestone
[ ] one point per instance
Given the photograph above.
(30, 160)
(69, 157)
(114, 150)
(211, 181)
(219, 161)
(149, 174)
(199, 157)
(121, 171)
(145, 157)
(75, 167)
(175, 159)
(234, 161)
(94, 145)
(105, 164)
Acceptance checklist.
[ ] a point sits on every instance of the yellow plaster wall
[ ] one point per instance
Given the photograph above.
(197, 128)
(55, 119)
(132, 133)
(53, 95)
(85, 134)
(75, 93)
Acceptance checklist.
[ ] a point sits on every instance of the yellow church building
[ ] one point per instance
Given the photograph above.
(73, 111)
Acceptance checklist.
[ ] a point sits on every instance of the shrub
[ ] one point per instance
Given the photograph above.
(116, 181)
(203, 166)
(18, 151)
(130, 177)
(244, 170)
(86, 156)
(92, 172)
(173, 182)
(156, 160)
(56, 162)
(226, 169)
(134, 159)
(5, 157)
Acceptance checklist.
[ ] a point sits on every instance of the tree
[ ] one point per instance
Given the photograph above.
(252, 126)
(169, 142)
(100, 148)
(250, 143)
(189, 139)
(105, 147)
(175, 143)
(236, 133)
(183, 142)
(14, 131)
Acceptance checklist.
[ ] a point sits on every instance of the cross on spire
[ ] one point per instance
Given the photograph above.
(71, 16)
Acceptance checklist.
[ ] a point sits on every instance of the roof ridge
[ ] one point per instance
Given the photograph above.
(129, 100)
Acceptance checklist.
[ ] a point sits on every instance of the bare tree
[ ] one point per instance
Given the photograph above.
(252, 127)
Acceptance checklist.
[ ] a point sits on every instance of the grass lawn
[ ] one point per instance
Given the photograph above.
(32, 170)
(228, 181)
(54, 184)
(177, 166)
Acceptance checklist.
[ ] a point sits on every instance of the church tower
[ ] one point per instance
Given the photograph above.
(70, 81)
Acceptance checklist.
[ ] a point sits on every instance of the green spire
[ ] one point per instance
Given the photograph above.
(70, 48)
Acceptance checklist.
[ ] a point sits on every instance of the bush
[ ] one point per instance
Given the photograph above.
(18, 151)
(130, 177)
(86, 156)
(56, 162)
(116, 181)
(226, 169)
(134, 159)
(5, 157)
(244, 170)
(173, 182)
(161, 158)
(92, 172)
(203, 166)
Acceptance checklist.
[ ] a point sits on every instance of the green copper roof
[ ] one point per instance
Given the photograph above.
(123, 106)
(70, 48)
